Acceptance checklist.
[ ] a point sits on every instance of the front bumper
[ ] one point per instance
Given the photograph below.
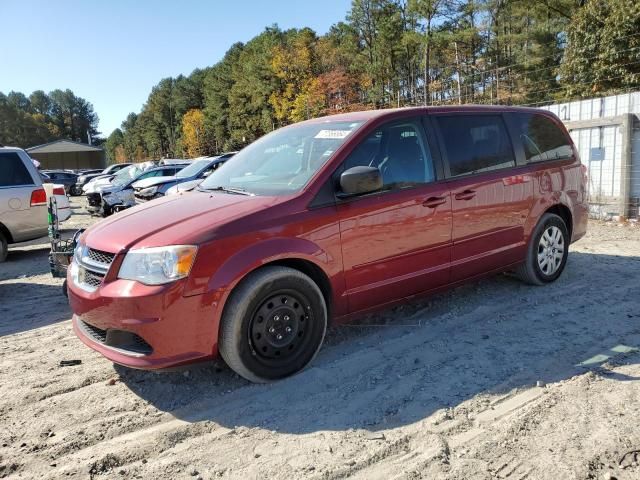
(94, 202)
(146, 327)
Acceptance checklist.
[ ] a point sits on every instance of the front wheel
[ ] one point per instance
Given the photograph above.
(547, 251)
(273, 324)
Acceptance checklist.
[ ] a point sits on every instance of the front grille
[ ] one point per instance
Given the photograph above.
(141, 199)
(94, 199)
(93, 266)
(98, 256)
(95, 333)
(127, 342)
(92, 279)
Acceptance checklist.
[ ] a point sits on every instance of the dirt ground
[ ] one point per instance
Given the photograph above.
(492, 380)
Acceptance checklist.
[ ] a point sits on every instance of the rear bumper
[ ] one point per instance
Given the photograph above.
(580, 221)
(123, 316)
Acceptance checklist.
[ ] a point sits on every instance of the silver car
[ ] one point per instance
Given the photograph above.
(23, 200)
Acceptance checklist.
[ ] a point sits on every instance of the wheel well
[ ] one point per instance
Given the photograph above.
(312, 271)
(7, 234)
(563, 212)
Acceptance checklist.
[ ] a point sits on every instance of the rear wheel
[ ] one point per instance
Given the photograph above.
(547, 251)
(4, 249)
(273, 324)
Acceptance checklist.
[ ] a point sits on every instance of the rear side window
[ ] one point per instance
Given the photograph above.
(541, 138)
(12, 170)
(475, 143)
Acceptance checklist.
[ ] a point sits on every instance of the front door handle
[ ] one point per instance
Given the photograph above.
(466, 195)
(433, 202)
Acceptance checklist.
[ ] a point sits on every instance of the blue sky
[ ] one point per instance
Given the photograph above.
(112, 52)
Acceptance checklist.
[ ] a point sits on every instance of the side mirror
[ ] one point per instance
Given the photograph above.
(359, 180)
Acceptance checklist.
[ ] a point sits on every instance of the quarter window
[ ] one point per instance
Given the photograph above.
(541, 138)
(475, 143)
(400, 153)
(12, 171)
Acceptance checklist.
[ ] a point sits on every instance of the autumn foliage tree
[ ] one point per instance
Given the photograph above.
(193, 133)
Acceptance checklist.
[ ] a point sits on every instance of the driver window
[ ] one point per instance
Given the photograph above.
(398, 150)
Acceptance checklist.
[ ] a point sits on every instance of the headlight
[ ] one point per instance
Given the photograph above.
(148, 192)
(77, 253)
(158, 265)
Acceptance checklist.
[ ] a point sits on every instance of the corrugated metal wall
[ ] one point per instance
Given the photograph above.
(601, 148)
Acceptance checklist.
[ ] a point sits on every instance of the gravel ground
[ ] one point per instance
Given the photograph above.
(491, 380)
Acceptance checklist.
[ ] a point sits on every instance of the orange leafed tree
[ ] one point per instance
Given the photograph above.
(193, 133)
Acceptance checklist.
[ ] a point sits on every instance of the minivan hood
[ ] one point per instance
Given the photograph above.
(175, 220)
(150, 182)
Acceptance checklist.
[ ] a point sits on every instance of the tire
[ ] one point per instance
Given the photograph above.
(535, 272)
(4, 249)
(271, 302)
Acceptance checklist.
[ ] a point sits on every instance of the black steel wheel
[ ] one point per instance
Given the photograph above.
(277, 330)
(273, 324)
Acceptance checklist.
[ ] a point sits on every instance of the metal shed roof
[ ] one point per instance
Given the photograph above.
(63, 146)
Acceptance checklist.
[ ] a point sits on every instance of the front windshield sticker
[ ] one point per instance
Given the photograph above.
(332, 134)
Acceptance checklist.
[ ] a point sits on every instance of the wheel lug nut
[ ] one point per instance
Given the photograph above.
(288, 329)
(276, 318)
(286, 318)
(272, 330)
(279, 337)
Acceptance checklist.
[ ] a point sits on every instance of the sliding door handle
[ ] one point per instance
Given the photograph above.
(433, 202)
(466, 195)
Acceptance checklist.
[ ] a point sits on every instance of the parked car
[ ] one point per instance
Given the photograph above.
(86, 177)
(119, 191)
(63, 177)
(62, 201)
(156, 187)
(324, 220)
(23, 200)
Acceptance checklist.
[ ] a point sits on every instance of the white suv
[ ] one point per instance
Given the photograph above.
(23, 200)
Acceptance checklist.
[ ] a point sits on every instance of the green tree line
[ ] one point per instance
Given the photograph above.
(41, 118)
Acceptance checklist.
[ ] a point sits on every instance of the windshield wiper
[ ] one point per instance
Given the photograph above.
(236, 191)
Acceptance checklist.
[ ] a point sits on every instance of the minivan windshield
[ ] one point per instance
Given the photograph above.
(193, 169)
(283, 161)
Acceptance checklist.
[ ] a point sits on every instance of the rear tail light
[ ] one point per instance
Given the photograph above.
(38, 197)
(59, 191)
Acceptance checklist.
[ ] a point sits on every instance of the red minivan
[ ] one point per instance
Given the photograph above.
(323, 220)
